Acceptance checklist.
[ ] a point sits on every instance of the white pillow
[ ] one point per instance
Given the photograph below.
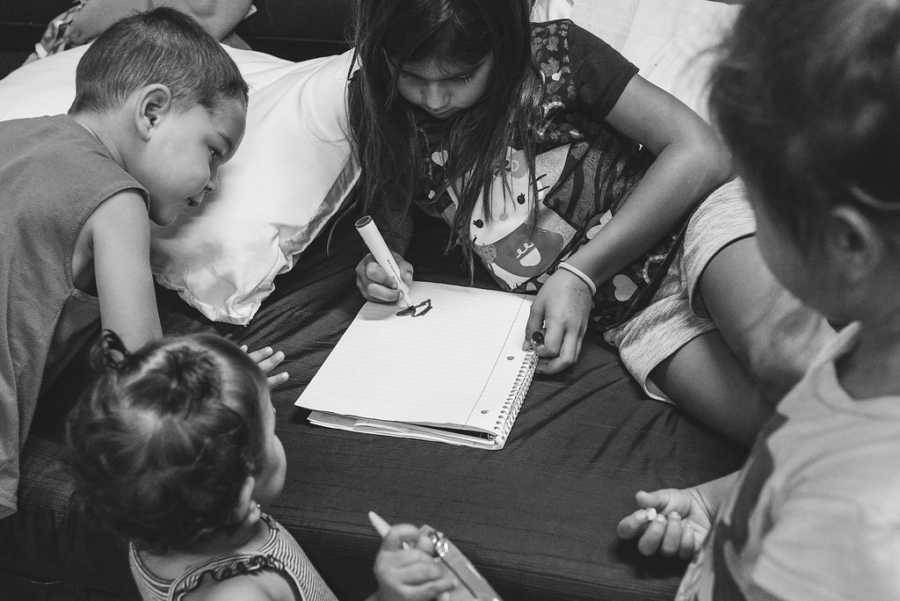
(287, 178)
(668, 40)
(551, 10)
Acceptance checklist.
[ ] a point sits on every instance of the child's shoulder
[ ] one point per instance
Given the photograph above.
(550, 45)
(56, 140)
(550, 33)
(259, 586)
(18, 137)
(53, 167)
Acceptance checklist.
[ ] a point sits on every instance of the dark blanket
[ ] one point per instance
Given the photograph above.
(538, 517)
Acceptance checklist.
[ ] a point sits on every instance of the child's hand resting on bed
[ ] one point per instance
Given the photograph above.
(268, 359)
(406, 568)
(671, 522)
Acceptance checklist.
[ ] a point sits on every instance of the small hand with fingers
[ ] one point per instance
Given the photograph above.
(670, 522)
(560, 314)
(268, 359)
(376, 284)
(406, 568)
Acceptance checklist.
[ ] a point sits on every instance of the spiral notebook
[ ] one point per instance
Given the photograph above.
(455, 374)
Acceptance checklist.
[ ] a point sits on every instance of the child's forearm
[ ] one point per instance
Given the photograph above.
(714, 492)
(680, 177)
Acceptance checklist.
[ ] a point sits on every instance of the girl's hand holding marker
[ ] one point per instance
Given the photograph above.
(558, 320)
(383, 275)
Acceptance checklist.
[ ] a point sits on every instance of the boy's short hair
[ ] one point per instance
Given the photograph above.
(161, 46)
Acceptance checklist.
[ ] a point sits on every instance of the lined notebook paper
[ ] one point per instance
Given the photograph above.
(456, 374)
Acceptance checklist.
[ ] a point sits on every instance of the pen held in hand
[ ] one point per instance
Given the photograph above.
(366, 227)
(382, 527)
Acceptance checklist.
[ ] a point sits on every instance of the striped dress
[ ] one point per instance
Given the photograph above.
(279, 552)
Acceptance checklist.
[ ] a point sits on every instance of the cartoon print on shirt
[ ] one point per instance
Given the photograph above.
(510, 244)
(584, 173)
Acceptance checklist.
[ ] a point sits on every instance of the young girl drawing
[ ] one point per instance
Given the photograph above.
(566, 173)
(174, 448)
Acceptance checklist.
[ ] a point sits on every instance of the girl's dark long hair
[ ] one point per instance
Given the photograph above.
(383, 125)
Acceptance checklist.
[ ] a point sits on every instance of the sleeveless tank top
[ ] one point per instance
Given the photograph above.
(53, 175)
(279, 552)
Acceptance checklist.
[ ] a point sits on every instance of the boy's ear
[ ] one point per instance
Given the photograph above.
(853, 242)
(154, 102)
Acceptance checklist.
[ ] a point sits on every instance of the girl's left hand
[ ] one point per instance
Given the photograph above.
(268, 359)
(560, 312)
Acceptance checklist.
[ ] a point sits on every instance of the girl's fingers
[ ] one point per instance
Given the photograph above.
(259, 354)
(376, 285)
(632, 525)
(687, 547)
(437, 588)
(406, 269)
(379, 293)
(549, 350)
(268, 359)
(649, 543)
(660, 500)
(270, 362)
(375, 274)
(534, 326)
(422, 571)
(278, 379)
(424, 542)
(568, 353)
(398, 535)
(671, 542)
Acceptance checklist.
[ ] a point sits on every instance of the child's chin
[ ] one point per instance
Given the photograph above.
(164, 220)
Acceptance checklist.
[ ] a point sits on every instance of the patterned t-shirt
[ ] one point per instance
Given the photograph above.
(584, 170)
(815, 514)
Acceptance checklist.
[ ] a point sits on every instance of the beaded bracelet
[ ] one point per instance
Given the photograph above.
(580, 275)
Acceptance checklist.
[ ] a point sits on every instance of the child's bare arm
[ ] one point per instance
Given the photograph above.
(120, 237)
(690, 162)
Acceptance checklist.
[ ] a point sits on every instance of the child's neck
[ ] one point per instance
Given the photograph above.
(221, 544)
(241, 536)
(99, 127)
(872, 368)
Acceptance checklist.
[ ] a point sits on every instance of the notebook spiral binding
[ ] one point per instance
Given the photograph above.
(513, 404)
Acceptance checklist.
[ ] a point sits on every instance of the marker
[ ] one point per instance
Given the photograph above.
(382, 527)
(366, 227)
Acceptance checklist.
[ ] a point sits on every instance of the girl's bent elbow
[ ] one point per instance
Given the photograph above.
(713, 159)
